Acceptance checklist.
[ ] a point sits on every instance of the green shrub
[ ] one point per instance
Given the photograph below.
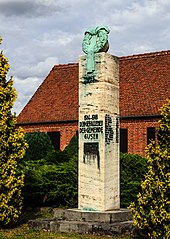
(51, 185)
(72, 148)
(132, 170)
(39, 145)
(52, 180)
(152, 209)
(55, 157)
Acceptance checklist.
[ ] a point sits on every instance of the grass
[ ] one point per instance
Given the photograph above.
(21, 230)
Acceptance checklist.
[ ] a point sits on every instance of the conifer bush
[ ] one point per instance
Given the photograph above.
(12, 149)
(51, 180)
(132, 171)
(39, 145)
(151, 212)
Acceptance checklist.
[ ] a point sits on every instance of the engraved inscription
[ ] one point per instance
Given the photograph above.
(117, 130)
(91, 127)
(108, 129)
(91, 154)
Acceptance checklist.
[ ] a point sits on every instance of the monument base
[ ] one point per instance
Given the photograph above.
(117, 222)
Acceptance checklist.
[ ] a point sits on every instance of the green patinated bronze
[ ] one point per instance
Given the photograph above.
(95, 40)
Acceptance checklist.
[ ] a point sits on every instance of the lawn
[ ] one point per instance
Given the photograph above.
(21, 231)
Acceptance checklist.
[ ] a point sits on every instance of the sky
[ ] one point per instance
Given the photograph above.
(38, 34)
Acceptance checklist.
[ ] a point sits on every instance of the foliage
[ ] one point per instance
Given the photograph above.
(132, 170)
(57, 157)
(152, 210)
(72, 148)
(52, 180)
(12, 149)
(51, 185)
(39, 145)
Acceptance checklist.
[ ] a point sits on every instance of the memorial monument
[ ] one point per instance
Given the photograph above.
(98, 209)
(98, 124)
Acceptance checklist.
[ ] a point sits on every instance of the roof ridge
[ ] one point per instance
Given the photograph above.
(144, 55)
(134, 56)
(65, 65)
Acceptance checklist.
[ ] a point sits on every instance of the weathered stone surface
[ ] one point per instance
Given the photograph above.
(99, 136)
(113, 223)
(97, 228)
(41, 223)
(85, 216)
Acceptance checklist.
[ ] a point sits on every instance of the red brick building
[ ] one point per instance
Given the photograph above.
(144, 88)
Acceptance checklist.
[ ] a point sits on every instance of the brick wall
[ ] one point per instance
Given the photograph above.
(137, 134)
(67, 131)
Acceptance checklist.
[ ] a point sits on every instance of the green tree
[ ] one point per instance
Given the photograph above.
(52, 180)
(12, 149)
(151, 212)
(132, 171)
(39, 145)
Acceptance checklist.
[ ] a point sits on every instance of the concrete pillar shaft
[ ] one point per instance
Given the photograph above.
(99, 135)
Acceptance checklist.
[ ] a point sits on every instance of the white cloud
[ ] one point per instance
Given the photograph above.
(165, 34)
(40, 33)
(39, 70)
(25, 89)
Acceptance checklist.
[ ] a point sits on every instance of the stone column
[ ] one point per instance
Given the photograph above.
(99, 184)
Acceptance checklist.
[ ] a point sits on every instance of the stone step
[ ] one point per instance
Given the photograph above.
(97, 228)
(120, 215)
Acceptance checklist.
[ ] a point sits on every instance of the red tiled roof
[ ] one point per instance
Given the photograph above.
(144, 83)
(144, 88)
(57, 97)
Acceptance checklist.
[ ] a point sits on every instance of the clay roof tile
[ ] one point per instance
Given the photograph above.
(144, 88)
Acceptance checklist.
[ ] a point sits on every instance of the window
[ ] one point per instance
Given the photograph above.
(77, 134)
(151, 133)
(124, 140)
(55, 138)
